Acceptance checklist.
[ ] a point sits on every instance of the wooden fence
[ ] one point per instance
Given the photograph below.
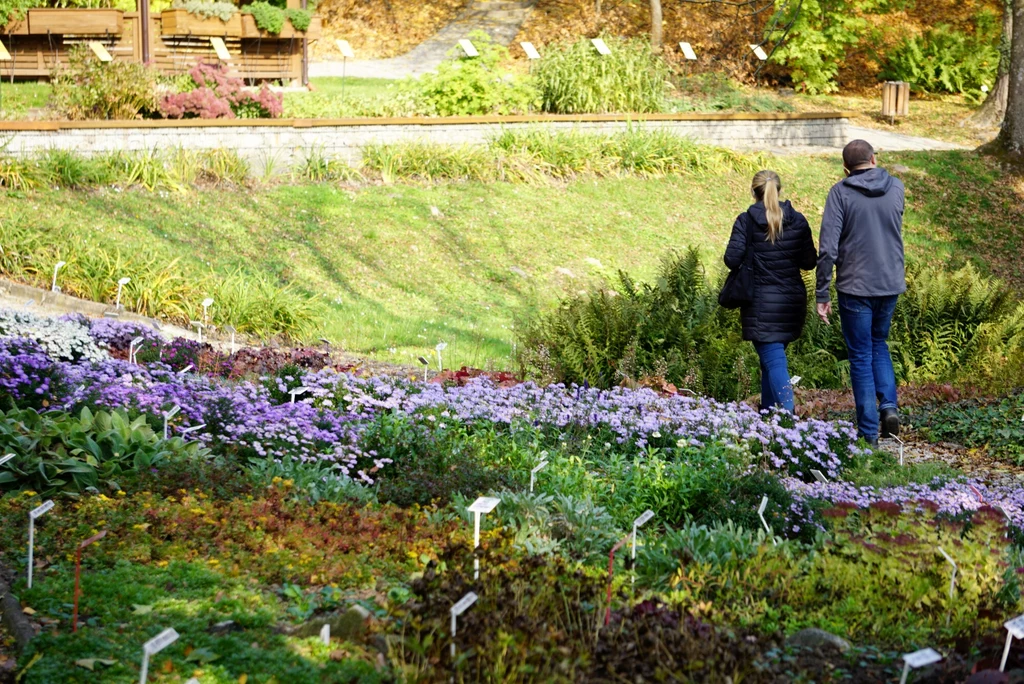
(41, 41)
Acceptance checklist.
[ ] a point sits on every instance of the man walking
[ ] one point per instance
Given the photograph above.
(862, 236)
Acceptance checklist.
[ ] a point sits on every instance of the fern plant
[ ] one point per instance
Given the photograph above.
(945, 60)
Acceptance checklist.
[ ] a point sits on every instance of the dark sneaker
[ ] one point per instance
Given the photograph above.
(889, 422)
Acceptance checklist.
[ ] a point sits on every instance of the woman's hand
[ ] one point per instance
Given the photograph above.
(824, 309)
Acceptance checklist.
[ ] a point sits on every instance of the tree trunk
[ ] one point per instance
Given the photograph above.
(656, 36)
(993, 109)
(1011, 137)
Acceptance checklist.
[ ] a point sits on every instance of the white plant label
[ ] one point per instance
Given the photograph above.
(485, 504)
(530, 50)
(345, 49)
(464, 603)
(100, 51)
(795, 380)
(467, 46)
(325, 635)
(900, 442)
(759, 51)
(6, 458)
(458, 609)
(922, 658)
(186, 369)
(952, 579)
(297, 391)
(220, 48)
(533, 473)
(643, 519)
(191, 429)
(1014, 630)
(819, 476)
(154, 646)
(40, 509)
(602, 48)
(760, 514)
(688, 51)
(173, 412)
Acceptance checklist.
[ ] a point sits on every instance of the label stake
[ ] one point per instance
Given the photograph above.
(1014, 630)
(154, 646)
(760, 514)
(533, 473)
(78, 573)
(32, 515)
(918, 659)
(458, 609)
(483, 505)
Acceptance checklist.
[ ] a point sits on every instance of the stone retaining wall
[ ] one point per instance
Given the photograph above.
(284, 141)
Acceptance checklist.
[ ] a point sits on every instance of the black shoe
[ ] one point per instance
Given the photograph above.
(873, 443)
(889, 422)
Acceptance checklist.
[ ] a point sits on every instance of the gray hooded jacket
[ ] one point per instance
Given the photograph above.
(862, 236)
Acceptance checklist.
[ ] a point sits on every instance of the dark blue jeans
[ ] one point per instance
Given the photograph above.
(776, 389)
(866, 322)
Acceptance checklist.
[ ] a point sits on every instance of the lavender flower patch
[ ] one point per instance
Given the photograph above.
(28, 377)
(117, 335)
(952, 498)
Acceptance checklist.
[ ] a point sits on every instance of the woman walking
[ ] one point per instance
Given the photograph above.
(782, 245)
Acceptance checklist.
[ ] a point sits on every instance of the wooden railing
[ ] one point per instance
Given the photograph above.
(40, 43)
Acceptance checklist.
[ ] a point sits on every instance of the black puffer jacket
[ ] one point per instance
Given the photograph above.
(780, 297)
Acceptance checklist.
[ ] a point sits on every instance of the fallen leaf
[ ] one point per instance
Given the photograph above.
(202, 656)
(167, 667)
(140, 609)
(28, 611)
(243, 678)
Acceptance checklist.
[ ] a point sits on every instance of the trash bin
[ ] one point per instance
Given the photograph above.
(895, 98)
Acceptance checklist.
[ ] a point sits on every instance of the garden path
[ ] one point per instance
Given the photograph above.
(500, 19)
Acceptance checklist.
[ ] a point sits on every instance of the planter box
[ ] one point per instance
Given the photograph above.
(288, 32)
(178, 22)
(75, 21)
(15, 27)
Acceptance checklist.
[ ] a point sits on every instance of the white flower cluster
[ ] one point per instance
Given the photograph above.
(61, 339)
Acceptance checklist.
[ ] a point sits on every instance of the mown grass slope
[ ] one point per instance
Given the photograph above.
(399, 268)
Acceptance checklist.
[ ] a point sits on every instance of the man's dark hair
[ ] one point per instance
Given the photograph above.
(857, 153)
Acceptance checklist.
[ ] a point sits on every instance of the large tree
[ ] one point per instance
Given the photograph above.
(992, 111)
(1011, 137)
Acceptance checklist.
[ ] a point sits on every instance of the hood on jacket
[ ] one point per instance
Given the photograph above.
(760, 215)
(873, 182)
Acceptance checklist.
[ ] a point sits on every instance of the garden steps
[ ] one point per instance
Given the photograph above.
(499, 19)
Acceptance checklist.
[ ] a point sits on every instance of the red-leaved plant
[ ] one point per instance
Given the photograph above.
(220, 96)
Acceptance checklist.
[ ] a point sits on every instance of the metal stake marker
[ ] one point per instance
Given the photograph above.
(952, 579)
(688, 51)
(198, 325)
(346, 54)
(533, 473)
(207, 303)
(78, 574)
(325, 634)
(483, 505)
(1014, 630)
(467, 46)
(133, 349)
(638, 523)
(154, 646)
(184, 370)
(819, 476)
(458, 609)
(191, 429)
(32, 515)
(441, 346)
(231, 329)
(426, 365)
(168, 415)
(760, 514)
(6, 458)
(53, 285)
(601, 47)
(120, 284)
(918, 659)
(297, 391)
(900, 442)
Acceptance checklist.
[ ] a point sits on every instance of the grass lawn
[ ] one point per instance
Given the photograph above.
(16, 99)
(931, 116)
(354, 87)
(399, 268)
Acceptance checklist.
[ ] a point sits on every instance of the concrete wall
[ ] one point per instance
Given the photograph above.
(288, 140)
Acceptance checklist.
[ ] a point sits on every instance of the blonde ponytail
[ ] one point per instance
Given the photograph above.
(765, 188)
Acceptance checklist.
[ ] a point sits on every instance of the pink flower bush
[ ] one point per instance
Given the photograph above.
(220, 96)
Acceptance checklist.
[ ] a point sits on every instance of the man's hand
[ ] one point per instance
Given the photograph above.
(824, 309)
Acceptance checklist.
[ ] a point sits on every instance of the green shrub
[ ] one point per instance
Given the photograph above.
(207, 8)
(466, 86)
(90, 89)
(60, 452)
(575, 79)
(949, 327)
(270, 18)
(945, 60)
(993, 425)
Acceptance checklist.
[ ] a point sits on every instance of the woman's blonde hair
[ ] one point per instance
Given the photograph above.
(766, 187)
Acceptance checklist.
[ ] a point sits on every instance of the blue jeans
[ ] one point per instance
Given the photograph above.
(776, 389)
(866, 322)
